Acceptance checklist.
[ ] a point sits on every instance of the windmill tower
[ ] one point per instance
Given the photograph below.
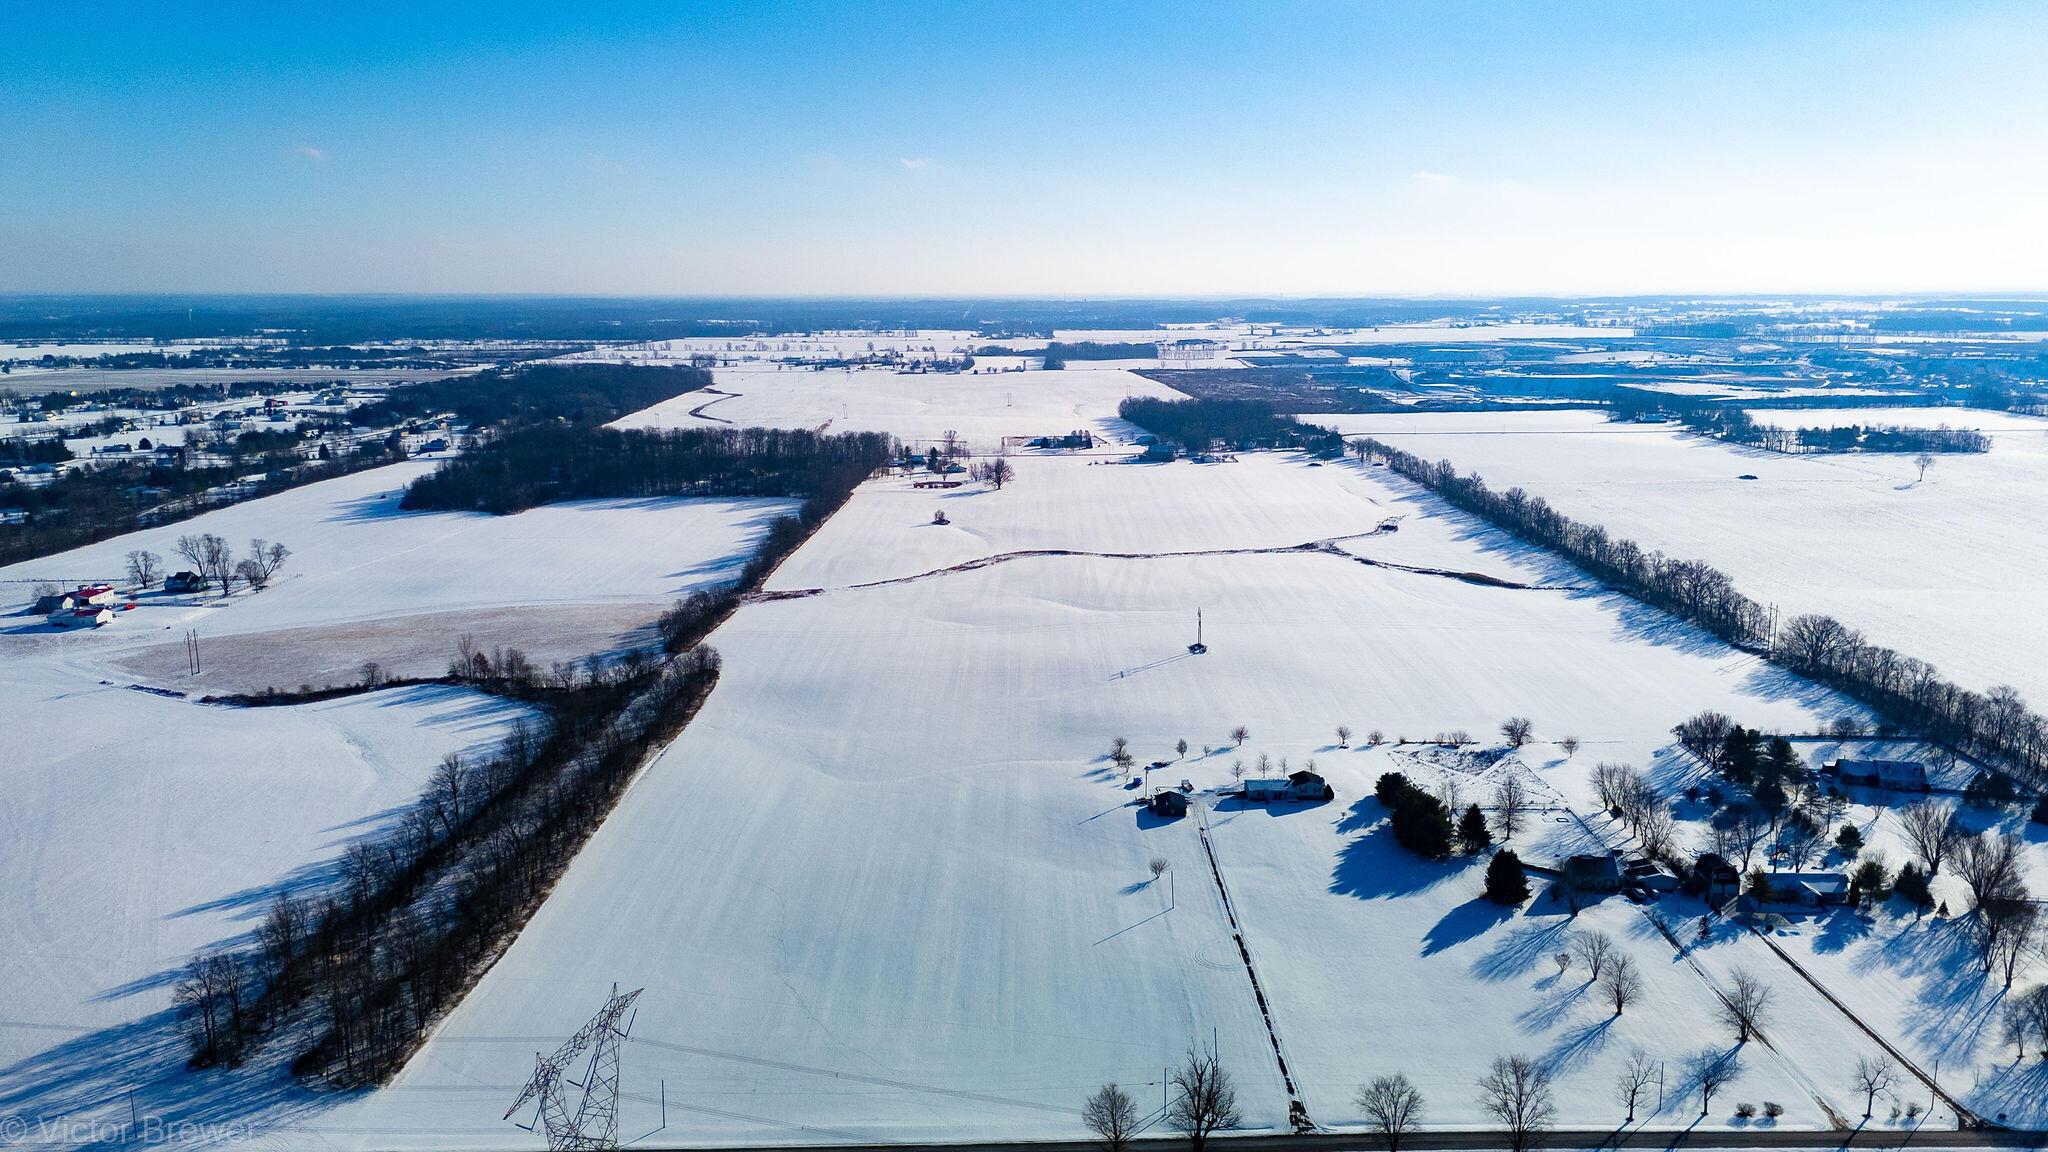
(594, 1123)
(1198, 647)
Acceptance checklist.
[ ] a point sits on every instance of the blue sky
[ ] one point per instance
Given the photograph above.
(1044, 148)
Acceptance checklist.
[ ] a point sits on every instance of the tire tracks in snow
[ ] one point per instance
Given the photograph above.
(1297, 1110)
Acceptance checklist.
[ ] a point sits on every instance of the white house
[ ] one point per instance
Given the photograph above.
(1899, 775)
(91, 616)
(1807, 889)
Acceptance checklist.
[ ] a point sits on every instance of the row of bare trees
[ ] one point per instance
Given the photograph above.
(1996, 724)
(1201, 1100)
(373, 960)
(213, 558)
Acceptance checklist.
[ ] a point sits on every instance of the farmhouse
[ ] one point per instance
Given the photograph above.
(1591, 873)
(182, 582)
(1298, 787)
(1716, 873)
(1805, 889)
(1899, 775)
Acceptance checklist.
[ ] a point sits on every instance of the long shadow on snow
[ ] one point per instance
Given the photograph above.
(1520, 949)
(1470, 920)
(140, 1066)
(1375, 867)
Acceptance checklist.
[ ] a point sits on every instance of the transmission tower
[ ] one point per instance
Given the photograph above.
(594, 1124)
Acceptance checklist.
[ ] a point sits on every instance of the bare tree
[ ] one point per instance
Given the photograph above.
(210, 557)
(1516, 1092)
(1609, 784)
(1991, 866)
(1180, 748)
(995, 473)
(1874, 1075)
(1343, 736)
(1239, 735)
(1636, 1077)
(1746, 1004)
(448, 792)
(1158, 865)
(1923, 461)
(1112, 1115)
(1517, 729)
(2017, 934)
(1621, 985)
(1570, 744)
(1737, 833)
(1932, 829)
(212, 996)
(278, 940)
(1594, 950)
(1510, 801)
(1392, 1107)
(1204, 1099)
(264, 561)
(1712, 1070)
(145, 568)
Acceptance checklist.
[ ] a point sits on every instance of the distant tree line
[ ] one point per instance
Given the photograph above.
(1996, 725)
(535, 393)
(535, 465)
(83, 505)
(1196, 424)
(1734, 424)
(1058, 353)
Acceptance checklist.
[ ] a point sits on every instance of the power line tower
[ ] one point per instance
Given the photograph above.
(595, 1122)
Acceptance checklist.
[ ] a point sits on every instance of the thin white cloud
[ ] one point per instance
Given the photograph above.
(310, 154)
(1425, 176)
(914, 162)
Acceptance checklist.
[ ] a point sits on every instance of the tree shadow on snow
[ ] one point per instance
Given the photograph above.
(1521, 948)
(1472, 919)
(1552, 1006)
(1576, 1046)
(87, 1088)
(1375, 867)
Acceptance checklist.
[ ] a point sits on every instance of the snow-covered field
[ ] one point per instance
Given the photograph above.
(1938, 568)
(886, 885)
(368, 582)
(139, 830)
(916, 406)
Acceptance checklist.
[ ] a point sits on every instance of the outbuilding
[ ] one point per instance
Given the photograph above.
(1168, 802)
(90, 616)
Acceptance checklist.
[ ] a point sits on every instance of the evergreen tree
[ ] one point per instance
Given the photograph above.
(1739, 758)
(1423, 826)
(1506, 881)
(1473, 831)
(1911, 885)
